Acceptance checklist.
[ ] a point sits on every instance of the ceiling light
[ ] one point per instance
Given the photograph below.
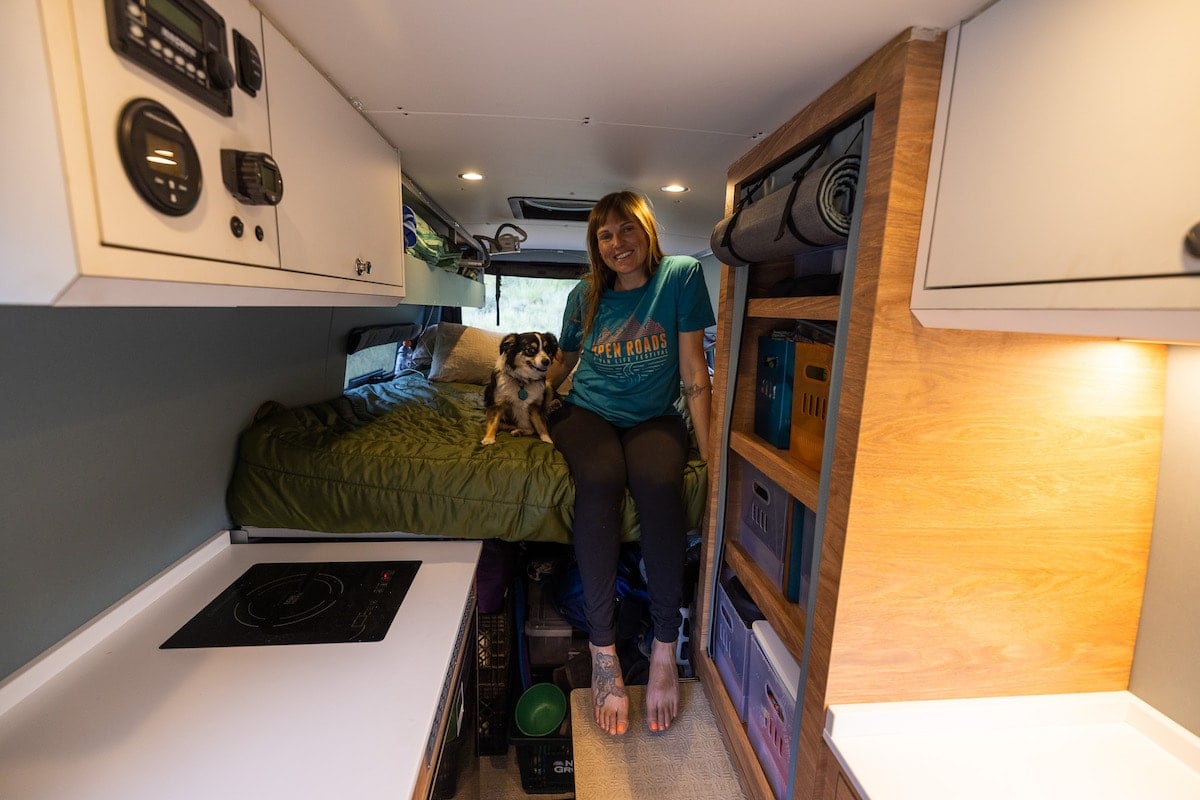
(470, 176)
(674, 188)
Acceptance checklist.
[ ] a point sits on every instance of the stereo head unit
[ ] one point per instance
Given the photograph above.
(181, 41)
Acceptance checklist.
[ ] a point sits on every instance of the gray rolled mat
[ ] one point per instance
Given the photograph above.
(820, 212)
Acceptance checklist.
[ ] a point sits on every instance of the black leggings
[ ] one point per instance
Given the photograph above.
(648, 459)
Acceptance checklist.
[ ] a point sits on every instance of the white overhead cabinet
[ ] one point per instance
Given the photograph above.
(116, 190)
(342, 215)
(1066, 173)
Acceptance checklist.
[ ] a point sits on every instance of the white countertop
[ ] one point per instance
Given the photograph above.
(1099, 746)
(107, 714)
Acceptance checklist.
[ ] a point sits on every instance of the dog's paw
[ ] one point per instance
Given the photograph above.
(522, 432)
(488, 440)
(547, 439)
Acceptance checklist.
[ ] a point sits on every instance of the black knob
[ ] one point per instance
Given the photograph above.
(1191, 241)
(220, 71)
(253, 178)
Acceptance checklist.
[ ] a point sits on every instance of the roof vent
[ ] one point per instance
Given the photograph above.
(551, 208)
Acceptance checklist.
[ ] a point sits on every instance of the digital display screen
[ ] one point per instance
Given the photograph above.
(181, 21)
(270, 180)
(165, 156)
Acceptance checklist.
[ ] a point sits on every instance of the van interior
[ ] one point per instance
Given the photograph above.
(194, 373)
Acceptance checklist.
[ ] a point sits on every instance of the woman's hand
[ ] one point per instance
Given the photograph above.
(564, 362)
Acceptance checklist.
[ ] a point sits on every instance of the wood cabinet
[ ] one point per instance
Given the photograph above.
(1064, 180)
(985, 500)
(341, 209)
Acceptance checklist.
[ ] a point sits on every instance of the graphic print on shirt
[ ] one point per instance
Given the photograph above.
(635, 348)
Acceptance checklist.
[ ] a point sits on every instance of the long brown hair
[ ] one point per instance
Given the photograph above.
(624, 206)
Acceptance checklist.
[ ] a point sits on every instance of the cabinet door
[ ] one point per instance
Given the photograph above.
(340, 212)
(1069, 144)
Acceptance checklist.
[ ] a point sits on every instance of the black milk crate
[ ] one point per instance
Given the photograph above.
(494, 667)
(547, 763)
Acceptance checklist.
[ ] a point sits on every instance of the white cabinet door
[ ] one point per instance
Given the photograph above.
(340, 214)
(1065, 172)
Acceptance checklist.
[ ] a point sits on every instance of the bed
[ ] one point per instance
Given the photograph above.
(404, 456)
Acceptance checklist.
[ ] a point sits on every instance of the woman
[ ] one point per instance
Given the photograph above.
(635, 328)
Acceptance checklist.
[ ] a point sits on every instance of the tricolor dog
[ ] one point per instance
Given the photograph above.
(517, 395)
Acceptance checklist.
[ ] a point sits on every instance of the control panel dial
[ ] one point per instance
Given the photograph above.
(253, 178)
(159, 157)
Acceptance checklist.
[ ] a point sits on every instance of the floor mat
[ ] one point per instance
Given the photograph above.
(687, 762)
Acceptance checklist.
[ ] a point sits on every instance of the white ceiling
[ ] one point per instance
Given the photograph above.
(567, 98)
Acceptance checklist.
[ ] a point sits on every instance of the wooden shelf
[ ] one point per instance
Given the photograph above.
(898, 85)
(799, 480)
(786, 618)
(823, 308)
(946, 448)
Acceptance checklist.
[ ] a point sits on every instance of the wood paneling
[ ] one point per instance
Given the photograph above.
(991, 495)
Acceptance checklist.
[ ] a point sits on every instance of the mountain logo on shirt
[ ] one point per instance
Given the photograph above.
(633, 347)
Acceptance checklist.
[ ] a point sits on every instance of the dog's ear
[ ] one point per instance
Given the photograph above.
(508, 343)
(549, 343)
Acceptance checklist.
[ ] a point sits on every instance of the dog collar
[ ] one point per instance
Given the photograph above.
(521, 393)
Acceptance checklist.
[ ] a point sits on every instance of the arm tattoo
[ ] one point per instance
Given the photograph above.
(695, 389)
(604, 678)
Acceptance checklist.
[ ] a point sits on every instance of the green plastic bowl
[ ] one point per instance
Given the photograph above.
(541, 709)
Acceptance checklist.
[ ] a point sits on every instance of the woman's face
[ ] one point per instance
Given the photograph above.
(624, 247)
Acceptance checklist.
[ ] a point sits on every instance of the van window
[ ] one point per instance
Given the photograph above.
(526, 304)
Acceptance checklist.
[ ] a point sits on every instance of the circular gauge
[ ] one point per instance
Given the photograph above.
(159, 157)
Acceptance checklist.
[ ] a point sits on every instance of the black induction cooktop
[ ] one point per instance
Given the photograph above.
(302, 603)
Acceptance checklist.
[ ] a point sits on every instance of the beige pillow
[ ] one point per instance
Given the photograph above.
(462, 354)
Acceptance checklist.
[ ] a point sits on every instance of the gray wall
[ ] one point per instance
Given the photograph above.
(117, 436)
(1166, 664)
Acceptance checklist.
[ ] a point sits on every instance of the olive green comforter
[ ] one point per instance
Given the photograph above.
(404, 456)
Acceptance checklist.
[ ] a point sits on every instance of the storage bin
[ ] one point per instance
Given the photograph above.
(550, 637)
(776, 531)
(765, 523)
(773, 386)
(736, 612)
(810, 402)
(494, 668)
(546, 763)
(773, 682)
(799, 558)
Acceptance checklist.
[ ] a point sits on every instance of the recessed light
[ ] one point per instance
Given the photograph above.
(470, 176)
(674, 188)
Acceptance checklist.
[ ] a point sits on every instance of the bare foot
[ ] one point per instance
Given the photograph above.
(662, 687)
(608, 690)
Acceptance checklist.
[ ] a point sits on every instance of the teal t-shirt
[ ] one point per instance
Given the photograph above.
(629, 366)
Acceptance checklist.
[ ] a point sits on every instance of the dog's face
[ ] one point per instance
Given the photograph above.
(528, 355)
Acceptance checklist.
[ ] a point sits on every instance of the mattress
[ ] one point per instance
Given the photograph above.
(404, 455)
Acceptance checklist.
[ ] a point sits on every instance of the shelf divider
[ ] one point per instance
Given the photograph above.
(799, 480)
(823, 308)
(786, 618)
